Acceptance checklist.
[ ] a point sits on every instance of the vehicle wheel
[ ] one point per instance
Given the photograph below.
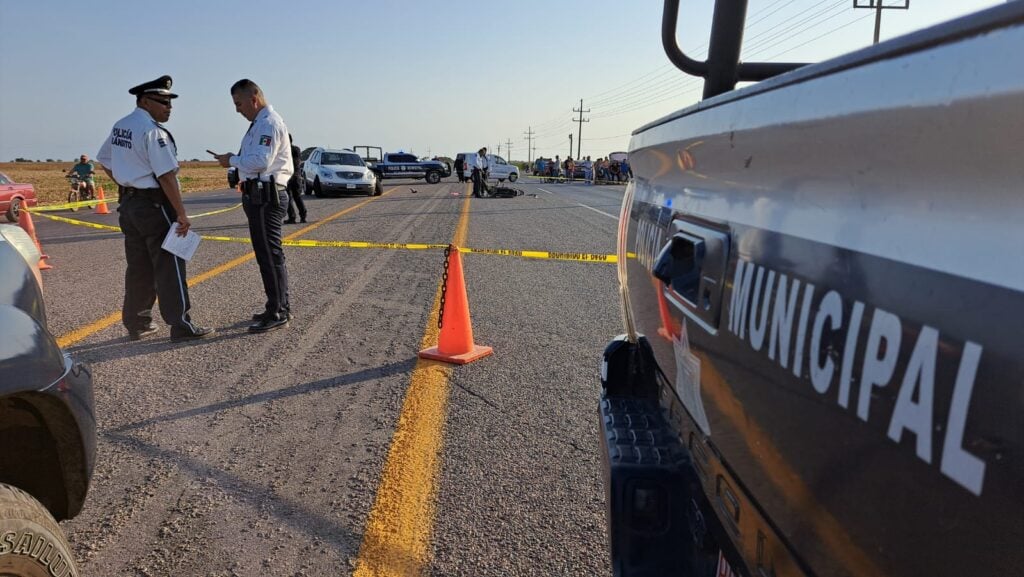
(37, 547)
(317, 190)
(378, 189)
(433, 177)
(73, 197)
(513, 177)
(14, 211)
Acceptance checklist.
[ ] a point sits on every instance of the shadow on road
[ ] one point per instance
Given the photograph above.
(303, 389)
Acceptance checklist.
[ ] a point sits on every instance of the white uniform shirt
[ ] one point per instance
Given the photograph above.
(481, 162)
(265, 149)
(138, 150)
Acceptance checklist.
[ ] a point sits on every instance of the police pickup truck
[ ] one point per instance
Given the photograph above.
(402, 165)
(823, 294)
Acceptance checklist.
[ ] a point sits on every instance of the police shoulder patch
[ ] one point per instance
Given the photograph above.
(265, 140)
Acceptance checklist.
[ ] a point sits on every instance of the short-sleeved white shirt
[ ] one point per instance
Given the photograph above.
(138, 150)
(266, 149)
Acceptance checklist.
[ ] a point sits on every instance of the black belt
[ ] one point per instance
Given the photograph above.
(150, 193)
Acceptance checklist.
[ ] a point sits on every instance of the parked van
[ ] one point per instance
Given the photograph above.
(500, 169)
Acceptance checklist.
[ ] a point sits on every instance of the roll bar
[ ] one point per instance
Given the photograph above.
(723, 68)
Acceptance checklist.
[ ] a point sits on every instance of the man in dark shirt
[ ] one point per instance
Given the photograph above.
(296, 184)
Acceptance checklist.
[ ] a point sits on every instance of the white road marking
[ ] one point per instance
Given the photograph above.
(611, 216)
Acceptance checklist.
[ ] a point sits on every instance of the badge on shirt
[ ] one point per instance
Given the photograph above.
(161, 142)
(265, 140)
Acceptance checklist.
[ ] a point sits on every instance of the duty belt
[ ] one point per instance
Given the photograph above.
(150, 193)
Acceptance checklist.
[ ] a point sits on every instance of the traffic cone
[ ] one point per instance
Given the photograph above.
(455, 341)
(101, 208)
(669, 328)
(25, 222)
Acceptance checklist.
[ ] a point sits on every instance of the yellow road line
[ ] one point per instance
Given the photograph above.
(96, 326)
(400, 525)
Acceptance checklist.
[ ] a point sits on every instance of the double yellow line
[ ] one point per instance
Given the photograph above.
(400, 525)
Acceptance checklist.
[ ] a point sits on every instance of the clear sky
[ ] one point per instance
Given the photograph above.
(433, 78)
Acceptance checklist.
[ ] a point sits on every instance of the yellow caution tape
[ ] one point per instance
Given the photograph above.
(219, 211)
(70, 205)
(535, 254)
(79, 222)
(85, 203)
(541, 254)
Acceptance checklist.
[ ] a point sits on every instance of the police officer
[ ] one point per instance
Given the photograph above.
(480, 167)
(141, 157)
(295, 186)
(264, 165)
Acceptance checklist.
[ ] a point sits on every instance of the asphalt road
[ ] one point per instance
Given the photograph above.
(310, 450)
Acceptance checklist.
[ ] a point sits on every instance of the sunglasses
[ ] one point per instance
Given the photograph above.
(166, 103)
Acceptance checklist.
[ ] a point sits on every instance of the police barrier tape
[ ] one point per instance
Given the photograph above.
(534, 254)
(74, 205)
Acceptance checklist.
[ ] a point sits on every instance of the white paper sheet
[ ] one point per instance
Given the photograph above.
(181, 246)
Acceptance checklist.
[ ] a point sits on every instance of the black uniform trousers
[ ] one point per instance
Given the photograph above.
(265, 223)
(479, 182)
(295, 186)
(145, 218)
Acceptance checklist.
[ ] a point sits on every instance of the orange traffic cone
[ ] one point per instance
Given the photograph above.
(25, 222)
(455, 341)
(101, 208)
(669, 328)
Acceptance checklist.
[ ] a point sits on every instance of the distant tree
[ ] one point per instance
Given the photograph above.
(20, 159)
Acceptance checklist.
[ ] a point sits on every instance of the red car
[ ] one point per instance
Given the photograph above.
(13, 196)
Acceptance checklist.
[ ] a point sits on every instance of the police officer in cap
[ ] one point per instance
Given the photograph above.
(141, 157)
(264, 165)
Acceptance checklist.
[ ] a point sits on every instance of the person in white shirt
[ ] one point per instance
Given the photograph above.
(141, 157)
(480, 168)
(264, 165)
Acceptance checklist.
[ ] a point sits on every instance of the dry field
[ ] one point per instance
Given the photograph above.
(51, 186)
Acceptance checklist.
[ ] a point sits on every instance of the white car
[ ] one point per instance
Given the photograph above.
(329, 171)
(499, 168)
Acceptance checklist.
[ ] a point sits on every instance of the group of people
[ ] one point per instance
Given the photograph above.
(140, 155)
(600, 170)
(479, 171)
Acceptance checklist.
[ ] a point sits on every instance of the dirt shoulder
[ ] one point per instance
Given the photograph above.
(51, 187)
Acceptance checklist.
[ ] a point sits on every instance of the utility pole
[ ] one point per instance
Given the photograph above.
(529, 143)
(581, 120)
(508, 149)
(878, 7)
(570, 144)
(499, 148)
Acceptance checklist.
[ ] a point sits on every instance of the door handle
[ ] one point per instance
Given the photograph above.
(692, 267)
(679, 262)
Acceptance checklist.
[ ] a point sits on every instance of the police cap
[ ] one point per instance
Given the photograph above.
(160, 86)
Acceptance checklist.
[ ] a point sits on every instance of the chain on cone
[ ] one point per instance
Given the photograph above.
(455, 338)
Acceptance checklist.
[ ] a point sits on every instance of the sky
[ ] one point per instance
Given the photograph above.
(432, 78)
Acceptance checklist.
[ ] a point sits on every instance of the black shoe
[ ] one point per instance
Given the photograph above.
(264, 315)
(198, 333)
(143, 332)
(302, 220)
(269, 323)
(290, 221)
